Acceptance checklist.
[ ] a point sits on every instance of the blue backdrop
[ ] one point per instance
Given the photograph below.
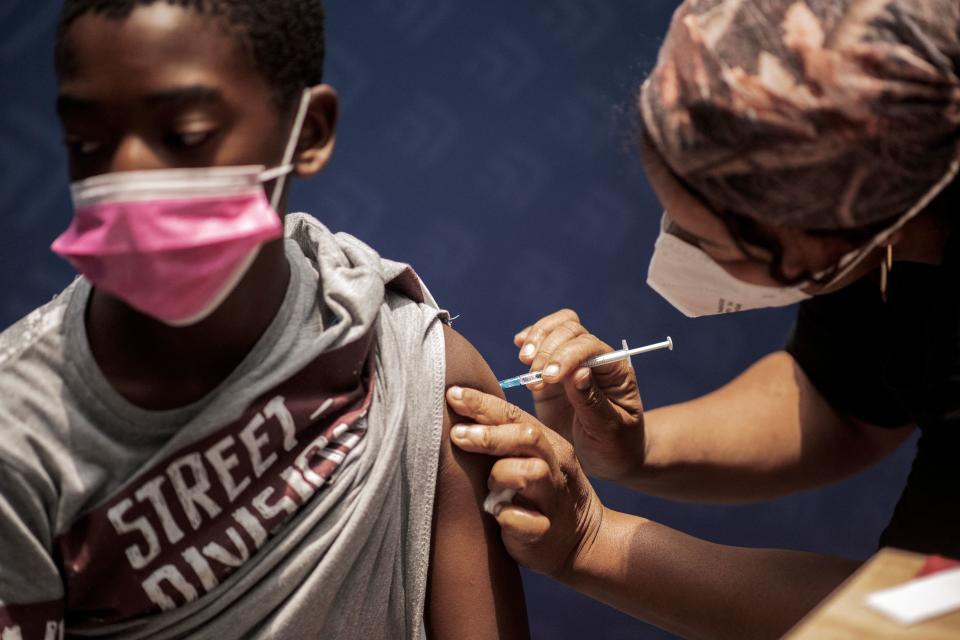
(488, 144)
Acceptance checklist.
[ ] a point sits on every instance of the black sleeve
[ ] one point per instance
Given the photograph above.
(842, 342)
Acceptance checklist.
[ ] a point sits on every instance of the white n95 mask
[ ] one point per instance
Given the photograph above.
(692, 282)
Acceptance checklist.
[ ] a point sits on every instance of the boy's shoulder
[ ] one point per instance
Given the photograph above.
(33, 334)
(342, 257)
(32, 361)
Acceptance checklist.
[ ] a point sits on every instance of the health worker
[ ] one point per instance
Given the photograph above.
(805, 151)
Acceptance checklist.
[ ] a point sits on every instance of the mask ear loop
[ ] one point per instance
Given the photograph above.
(852, 260)
(281, 172)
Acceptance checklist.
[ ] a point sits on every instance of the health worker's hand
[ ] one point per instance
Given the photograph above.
(555, 513)
(598, 410)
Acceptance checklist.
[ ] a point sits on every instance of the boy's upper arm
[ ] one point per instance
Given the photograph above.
(474, 588)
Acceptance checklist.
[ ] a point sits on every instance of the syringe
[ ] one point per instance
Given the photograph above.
(596, 361)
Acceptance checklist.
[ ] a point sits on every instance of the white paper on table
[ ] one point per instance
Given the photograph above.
(919, 599)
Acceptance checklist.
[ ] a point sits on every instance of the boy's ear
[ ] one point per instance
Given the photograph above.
(319, 131)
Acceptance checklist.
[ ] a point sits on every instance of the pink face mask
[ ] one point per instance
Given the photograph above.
(174, 243)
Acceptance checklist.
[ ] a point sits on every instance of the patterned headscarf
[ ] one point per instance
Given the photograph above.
(810, 114)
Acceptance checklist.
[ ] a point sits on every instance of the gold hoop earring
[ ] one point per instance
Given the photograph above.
(886, 266)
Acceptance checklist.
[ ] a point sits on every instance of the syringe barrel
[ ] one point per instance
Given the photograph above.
(606, 358)
(623, 354)
(520, 381)
(530, 378)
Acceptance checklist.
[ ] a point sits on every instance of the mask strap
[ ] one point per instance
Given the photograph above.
(277, 172)
(924, 202)
(286, 167)
(851, 260)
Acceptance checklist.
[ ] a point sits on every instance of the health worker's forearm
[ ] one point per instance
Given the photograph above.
(766, 434)
(698, 589)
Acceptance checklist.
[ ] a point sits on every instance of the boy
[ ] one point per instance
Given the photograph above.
(219, 432)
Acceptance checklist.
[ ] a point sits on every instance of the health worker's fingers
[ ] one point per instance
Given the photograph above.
(485, 408)
(529, 477)
(535, 334)
(553, 341)
(528, 440)
(525, 526)
(521, 336)
(567, 357)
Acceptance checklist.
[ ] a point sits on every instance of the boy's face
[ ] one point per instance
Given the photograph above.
(164, 88)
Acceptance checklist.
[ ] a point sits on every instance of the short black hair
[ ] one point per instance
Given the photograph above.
(285, 38)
